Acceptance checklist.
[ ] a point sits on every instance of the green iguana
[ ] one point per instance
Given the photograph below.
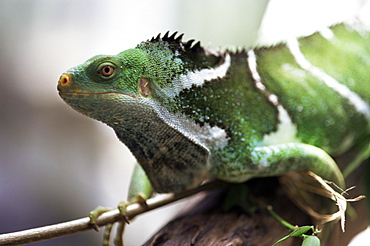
(189, 114)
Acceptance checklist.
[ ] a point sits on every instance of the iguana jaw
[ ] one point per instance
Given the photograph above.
(93, 102)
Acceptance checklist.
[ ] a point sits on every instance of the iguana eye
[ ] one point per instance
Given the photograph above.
(106, 70)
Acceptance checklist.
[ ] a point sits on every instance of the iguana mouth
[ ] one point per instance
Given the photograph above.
(64, 94)
(94, 93)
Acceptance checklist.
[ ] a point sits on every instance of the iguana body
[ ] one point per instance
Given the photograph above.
(189, 115)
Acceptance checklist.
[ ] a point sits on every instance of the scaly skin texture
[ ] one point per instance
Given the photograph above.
(189, 115)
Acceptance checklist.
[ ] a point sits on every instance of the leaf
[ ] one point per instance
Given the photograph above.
(311, 241)
(300, 231)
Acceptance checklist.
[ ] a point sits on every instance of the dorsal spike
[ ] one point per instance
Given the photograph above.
(177, 43)
(179, 38)
(172, 37)
(188, 44)
(197, 47)
(154, 39)
(165, 37)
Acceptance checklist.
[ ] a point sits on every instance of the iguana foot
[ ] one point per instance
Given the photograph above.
(122, 207)
(140, 190)
(94, 214)
(118, 240)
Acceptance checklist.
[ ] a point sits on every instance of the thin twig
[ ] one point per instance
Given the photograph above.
(83, 224)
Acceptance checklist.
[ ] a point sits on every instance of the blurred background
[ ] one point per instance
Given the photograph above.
(57, 165)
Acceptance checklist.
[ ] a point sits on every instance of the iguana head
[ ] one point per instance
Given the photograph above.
(133, 92)
(154, 69)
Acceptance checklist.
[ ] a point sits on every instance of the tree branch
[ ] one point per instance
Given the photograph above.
(83, 224)
(205, 223)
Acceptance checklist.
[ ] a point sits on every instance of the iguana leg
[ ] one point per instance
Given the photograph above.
(276, 160)
(140, 187)
(140, 190)
(293, 157)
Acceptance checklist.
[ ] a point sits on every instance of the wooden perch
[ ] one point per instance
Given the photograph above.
(206, 224)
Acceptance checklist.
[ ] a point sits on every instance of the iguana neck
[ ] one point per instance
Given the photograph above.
(163, 151)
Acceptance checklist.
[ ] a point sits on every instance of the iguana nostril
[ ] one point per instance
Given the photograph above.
(65, 80)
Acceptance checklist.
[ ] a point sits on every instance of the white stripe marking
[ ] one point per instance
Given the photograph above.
(327, 33)
(198, 78)
(343, 90)
(286, 130)
(252, 63)
(206, 136)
